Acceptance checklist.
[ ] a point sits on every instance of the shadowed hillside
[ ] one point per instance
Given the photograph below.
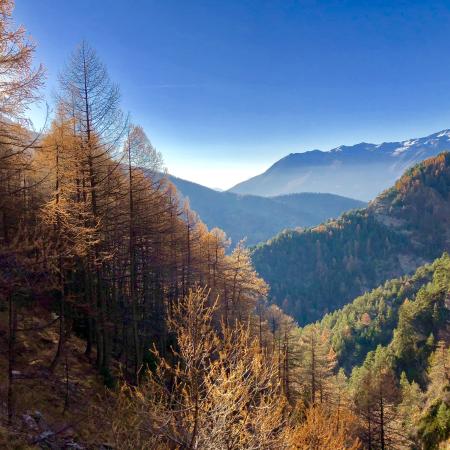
(259, 218)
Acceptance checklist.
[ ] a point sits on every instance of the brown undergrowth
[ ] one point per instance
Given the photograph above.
(64, 408)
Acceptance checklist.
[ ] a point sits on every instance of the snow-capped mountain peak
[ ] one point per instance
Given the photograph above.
(360, 171)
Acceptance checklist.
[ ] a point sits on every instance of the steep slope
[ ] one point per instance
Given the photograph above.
(370, 319)
(259, 218)
(405, 381)
(54, 409)
(315, 271)
(359, 171)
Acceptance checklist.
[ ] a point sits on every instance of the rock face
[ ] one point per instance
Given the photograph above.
(359, 171)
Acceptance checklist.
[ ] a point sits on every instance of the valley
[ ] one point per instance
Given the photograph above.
(256, 219)
(314, 271)
(306, 308)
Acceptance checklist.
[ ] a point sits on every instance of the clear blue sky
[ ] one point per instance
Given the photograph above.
(224, 88)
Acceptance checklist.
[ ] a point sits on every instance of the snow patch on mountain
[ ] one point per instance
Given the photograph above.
(406, 145)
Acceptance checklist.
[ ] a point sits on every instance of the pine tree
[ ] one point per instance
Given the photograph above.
(433, 426)
(411, 406)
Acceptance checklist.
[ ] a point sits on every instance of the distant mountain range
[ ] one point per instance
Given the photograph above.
(315, 271)
(359, 171)
(259, 218)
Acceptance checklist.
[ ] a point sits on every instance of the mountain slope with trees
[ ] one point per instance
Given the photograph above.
(370, 320)
(394, 343)
(402, 389)
(125, 323)
(259, 218)
(315, 271)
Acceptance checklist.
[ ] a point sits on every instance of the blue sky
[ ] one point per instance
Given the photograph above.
(224, 88)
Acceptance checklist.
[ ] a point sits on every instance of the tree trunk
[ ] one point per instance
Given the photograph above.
(11, 357)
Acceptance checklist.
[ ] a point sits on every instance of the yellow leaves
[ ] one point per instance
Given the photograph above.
(325, 429)
(320, 228)
(365, 319)
(19, 81)
(225, 393)
(418, 176)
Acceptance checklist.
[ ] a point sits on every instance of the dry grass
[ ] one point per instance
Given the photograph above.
(83, 417)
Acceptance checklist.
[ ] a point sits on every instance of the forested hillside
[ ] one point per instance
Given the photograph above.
(315, 271)
(259, 218)
(396, 338)
(373, 318)
(370, 320)
(390, 350)
(126, 324)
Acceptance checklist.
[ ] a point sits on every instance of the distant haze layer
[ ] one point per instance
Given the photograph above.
(257, 218)
(359, 171)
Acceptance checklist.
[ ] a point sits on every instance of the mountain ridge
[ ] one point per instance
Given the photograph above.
(358, 171)
(259, 218)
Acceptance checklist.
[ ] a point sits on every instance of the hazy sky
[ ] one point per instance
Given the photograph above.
(224, 88)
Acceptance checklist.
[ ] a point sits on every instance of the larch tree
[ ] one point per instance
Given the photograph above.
(376, 395)
(141, 158)
(87, 93)
(219, 393)
(19, 87)
(317, 366)
(325, 428)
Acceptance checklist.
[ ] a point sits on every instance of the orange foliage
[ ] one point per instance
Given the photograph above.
(323, 429)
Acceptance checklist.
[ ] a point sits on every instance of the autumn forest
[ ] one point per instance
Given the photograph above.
(125, 323)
